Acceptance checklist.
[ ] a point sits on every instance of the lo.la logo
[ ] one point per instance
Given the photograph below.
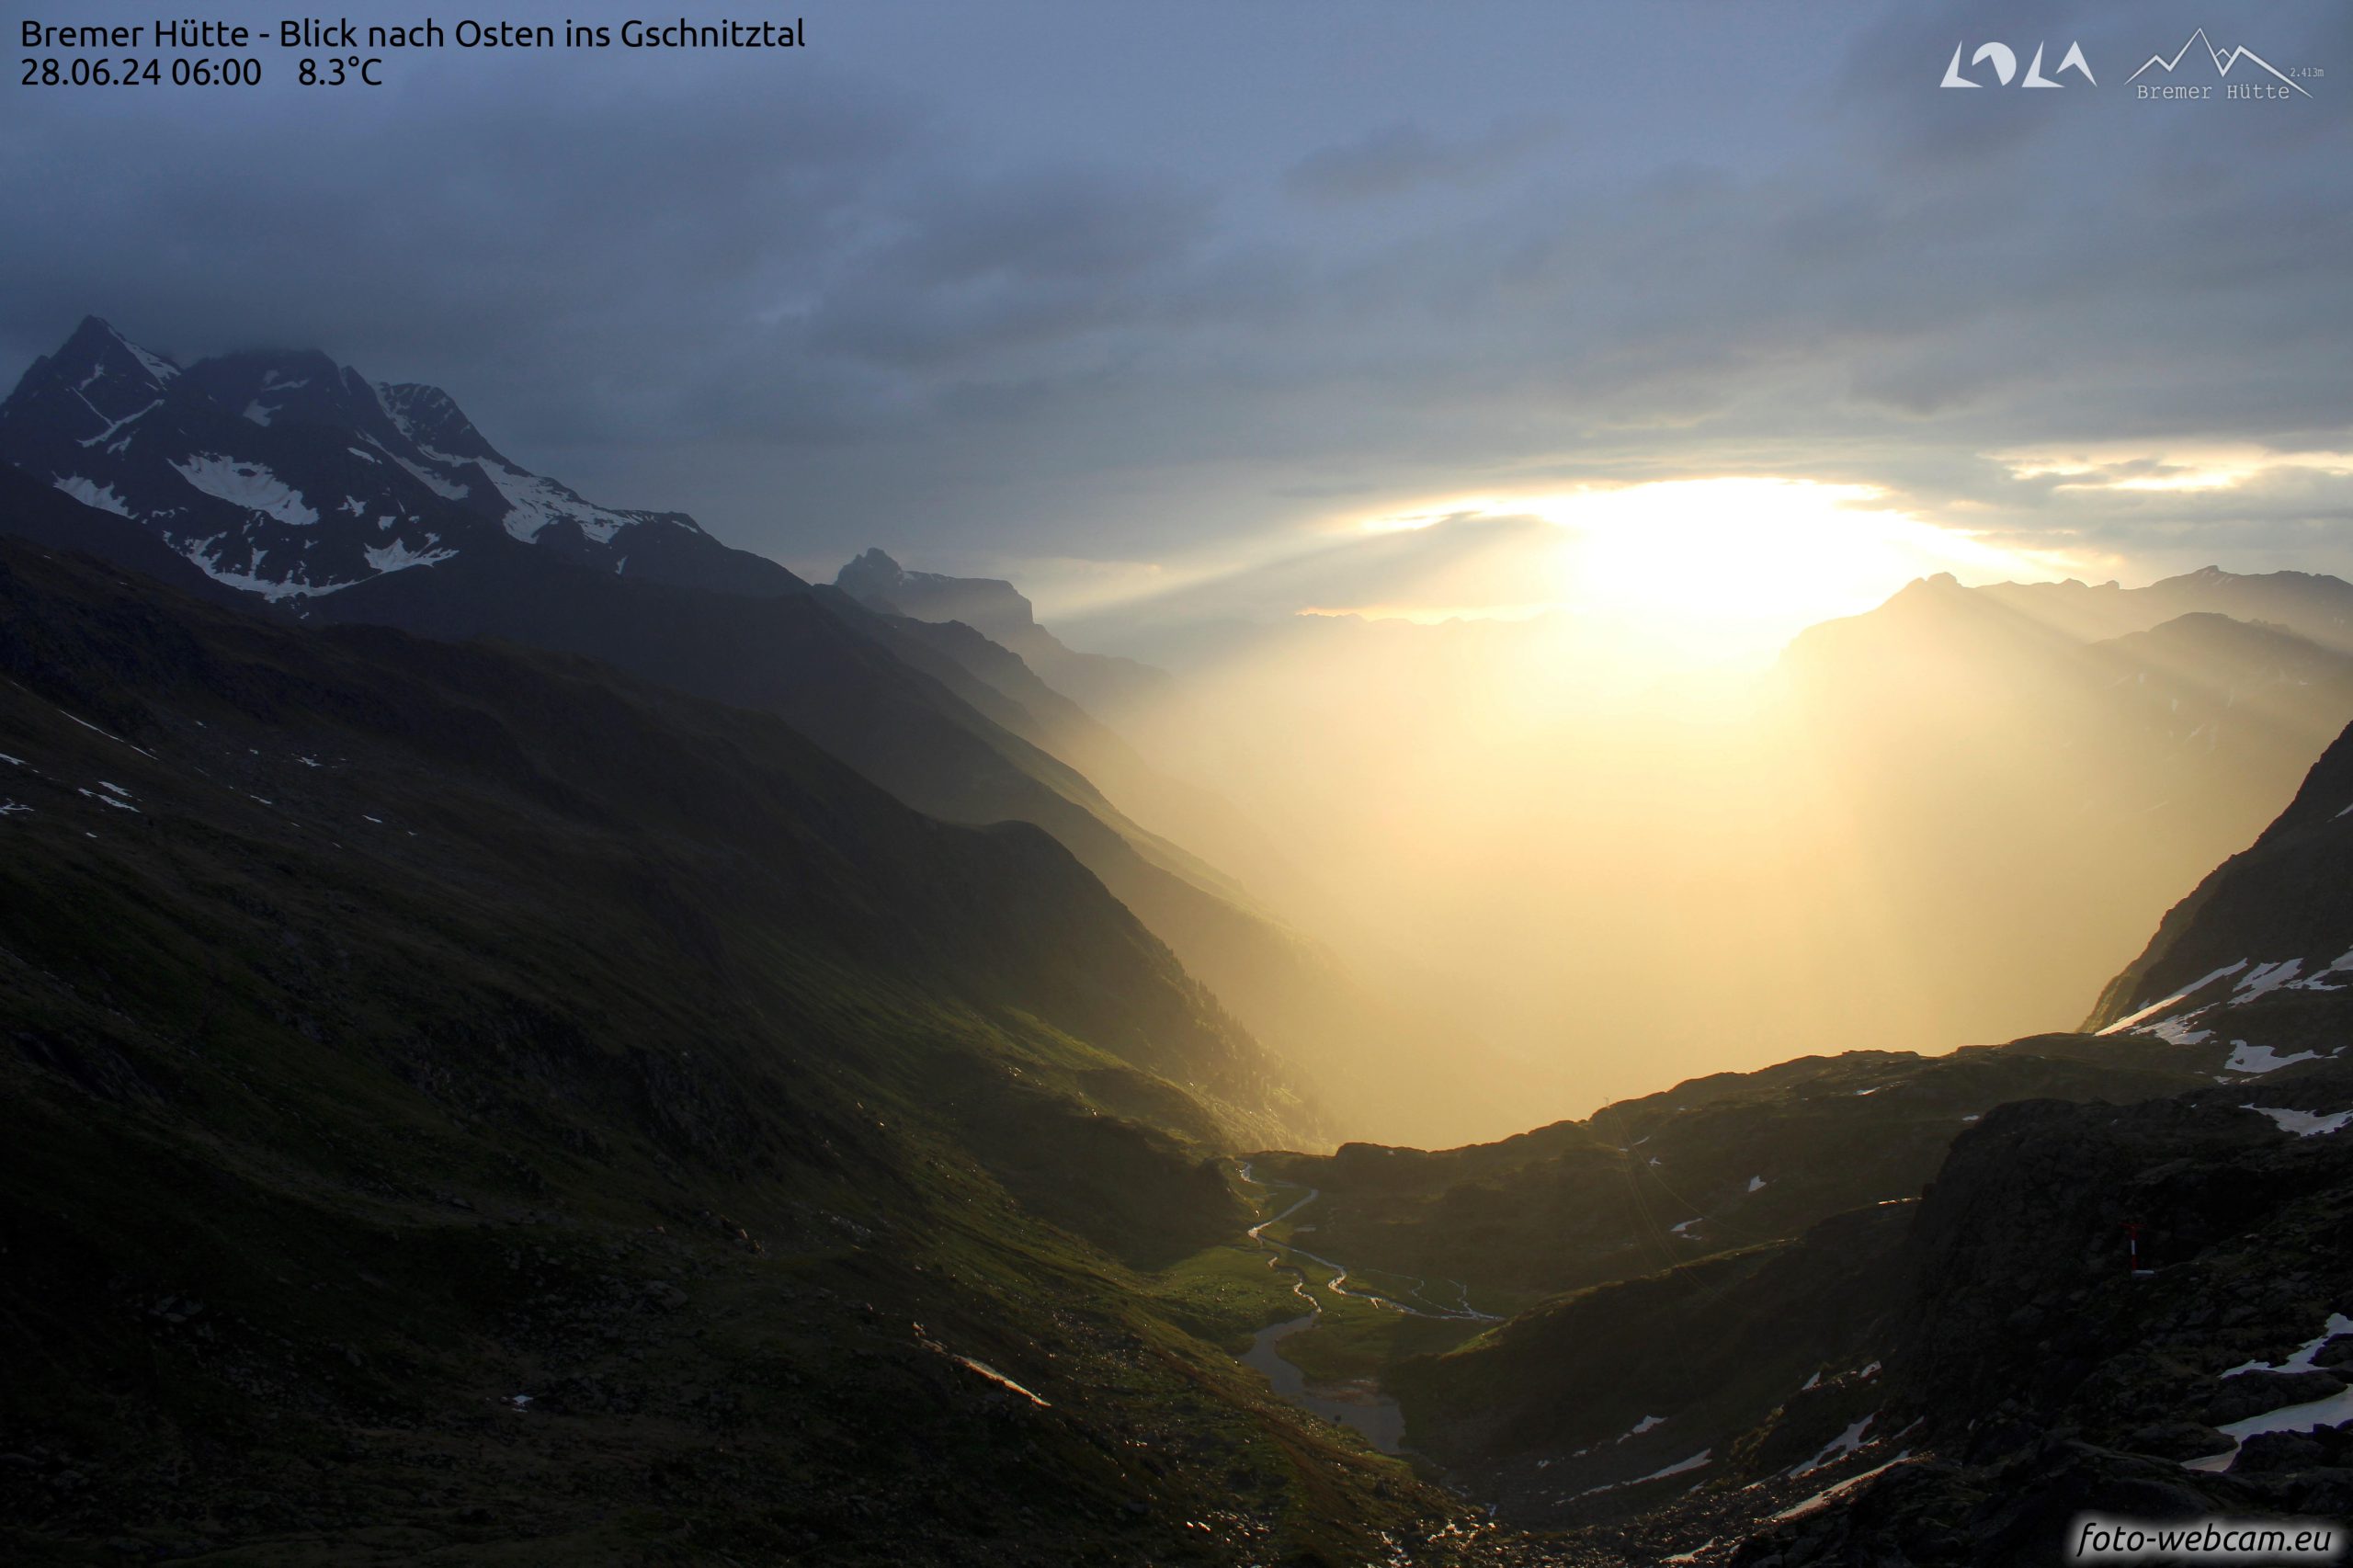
(2006, 66)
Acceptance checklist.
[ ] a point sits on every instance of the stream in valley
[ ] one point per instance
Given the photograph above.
(1358, 1404)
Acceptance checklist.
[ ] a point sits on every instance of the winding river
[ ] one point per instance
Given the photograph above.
(1359, 1405)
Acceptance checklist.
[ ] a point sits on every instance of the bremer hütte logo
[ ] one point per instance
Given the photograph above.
(2239, 54)
(2005, 61)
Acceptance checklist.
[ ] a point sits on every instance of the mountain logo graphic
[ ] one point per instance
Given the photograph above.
(2222, 63)
(2005, 61)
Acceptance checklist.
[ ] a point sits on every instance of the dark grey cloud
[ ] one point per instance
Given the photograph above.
(969, 271)
(1395, 157)
(1061, 280)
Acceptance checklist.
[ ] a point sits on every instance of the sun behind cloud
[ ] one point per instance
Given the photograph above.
(1718, 571)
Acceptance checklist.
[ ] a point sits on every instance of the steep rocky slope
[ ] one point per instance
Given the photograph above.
(2256, 955)
(296, 481)
(466, 1103)
(2037, 1376)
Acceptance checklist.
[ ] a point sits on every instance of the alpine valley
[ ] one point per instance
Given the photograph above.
(535, 1036)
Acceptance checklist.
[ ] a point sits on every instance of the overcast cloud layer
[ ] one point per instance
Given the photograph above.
(1074, 289)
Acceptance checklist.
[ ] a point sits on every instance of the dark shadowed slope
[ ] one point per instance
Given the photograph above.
(466, 1104)
(294, 480)
(46, 516)
(2260, 950)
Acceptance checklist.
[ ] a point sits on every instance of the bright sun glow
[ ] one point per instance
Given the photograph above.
(1699, 574)
(1721, 570)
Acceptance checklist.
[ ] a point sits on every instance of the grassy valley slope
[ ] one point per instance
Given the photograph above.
(466, 1103)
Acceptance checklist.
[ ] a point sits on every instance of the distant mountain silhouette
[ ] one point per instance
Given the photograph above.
(2314, 607)
(2041, 770)
(1104, 685)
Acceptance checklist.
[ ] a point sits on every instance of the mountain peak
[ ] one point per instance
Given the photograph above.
(90, 335)
(999, 611)
(95, 388)
(872, 564)
(1939, 582)
(262, 387)
(431, 418)
(990, 605)
(283, 472)
(95, 348)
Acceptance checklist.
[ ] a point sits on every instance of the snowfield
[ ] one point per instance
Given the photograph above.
(246, 484)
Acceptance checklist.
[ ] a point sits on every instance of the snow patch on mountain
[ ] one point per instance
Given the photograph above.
(2303, 1123)
(110, 429)
(2305, 1418)
(247, 484)
(2177, 1031)
(398, 557)
(161, 368)
(1838, 1447)
(2166, 1004)
(2264, 979)
(533, 503)
(2245, 1057)
(2336, 1327)
(91, 493)
(1830, 1494)
(448, 489)
(2319, 980)
(1681, 1467)
(204, 554)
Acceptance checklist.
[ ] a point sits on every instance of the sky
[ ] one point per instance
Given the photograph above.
(1246, 309)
